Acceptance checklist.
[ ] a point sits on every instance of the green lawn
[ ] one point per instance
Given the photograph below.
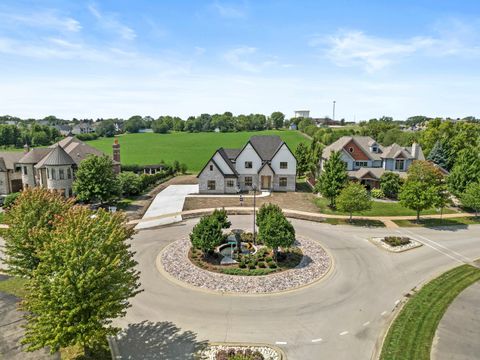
(193, 149)
(412, 332)
(378, 209)
(14, 286)
(461, 221)
(355, 222)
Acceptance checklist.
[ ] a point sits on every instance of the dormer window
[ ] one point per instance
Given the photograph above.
(375, 149)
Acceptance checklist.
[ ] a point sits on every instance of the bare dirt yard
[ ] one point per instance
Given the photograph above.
(302, 201)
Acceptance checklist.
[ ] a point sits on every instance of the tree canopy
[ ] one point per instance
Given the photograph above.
(95, 180)
(84, 279)
(333, 177)
(354, 198)
(31, 217)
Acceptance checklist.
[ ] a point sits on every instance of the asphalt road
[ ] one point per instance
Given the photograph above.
(341, 317)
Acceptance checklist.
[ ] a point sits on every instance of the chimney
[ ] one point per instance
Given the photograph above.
(116, 155)
(415, 150)
(26, 148)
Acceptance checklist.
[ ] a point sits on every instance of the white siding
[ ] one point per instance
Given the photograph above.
(284, 155)
(248, 154)
(222, 164)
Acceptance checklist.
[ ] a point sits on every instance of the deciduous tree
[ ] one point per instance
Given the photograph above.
(95, 180)
(276, 231)
(84, 280)
(278, 119)
(29, 220)
(471, 197)
(390, 183)
(354, 198)
(333, 177)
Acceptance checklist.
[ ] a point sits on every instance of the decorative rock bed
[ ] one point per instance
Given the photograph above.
(379, 241)
(173, 260)
(210, 353)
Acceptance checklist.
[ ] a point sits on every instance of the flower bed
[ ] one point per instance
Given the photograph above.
(174, 262)
(238, 352)
(395, 243)
(260, 263)
(396, 240)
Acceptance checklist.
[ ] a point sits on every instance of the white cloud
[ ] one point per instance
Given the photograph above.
(45, 19)
(373, 53)
(245, 58)
(228, 10)
(110, 22)
(350, 48)
(199, 50)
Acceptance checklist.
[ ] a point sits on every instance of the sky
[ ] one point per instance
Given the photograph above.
(101, 59)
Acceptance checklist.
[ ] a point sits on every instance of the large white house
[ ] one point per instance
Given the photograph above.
(265, 162)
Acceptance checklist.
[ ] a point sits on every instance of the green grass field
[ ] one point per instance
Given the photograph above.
(193, 149)
(411, 334)
(460, 221)
(378, 209)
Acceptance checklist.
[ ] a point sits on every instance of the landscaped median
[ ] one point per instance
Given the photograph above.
(411, 334)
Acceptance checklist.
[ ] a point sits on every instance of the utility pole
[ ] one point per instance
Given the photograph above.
(333, 110)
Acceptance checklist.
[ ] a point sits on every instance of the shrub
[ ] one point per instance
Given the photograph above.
(87, 137)
(377, 193)
(130, 183)
(272, 265)
(242, 265)
(247, 237)
(251, 265)
(268, 259)
(396, 240)
(10, 199)
(261, 264)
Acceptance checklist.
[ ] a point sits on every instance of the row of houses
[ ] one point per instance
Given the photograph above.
(53, 167)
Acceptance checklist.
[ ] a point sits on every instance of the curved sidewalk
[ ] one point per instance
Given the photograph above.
(387, 220)
(458, 334)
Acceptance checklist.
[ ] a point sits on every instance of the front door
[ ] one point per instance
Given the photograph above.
(266, 182)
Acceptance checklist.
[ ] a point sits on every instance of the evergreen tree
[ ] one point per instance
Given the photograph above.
(83, 282)
(354, 197)
(31, 217)
(207, 233)
(439, 155)
(95, 180)
(333, 177)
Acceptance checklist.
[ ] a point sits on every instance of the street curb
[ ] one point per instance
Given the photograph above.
(160, 269)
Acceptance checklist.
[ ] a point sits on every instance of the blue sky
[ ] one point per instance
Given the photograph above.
(120, 58)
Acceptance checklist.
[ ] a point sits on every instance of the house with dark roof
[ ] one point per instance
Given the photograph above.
(10, 175)
(264, 163)
(366, 160)
(54, 167)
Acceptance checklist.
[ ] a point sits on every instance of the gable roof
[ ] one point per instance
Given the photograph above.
(34, 155)
(225, 158)
(266, 145)
(363, 142)
(234, 175)
(8, 160)
(232, 153)
(396, 150)
(266, 164)
(58, 156)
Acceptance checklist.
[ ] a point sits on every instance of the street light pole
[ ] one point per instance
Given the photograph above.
(254, 187)
(334, 110)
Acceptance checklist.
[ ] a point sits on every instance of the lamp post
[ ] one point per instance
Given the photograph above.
(334, 110)
(254, 188)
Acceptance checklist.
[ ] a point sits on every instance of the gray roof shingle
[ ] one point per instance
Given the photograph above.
(58, 156)
(266, 145)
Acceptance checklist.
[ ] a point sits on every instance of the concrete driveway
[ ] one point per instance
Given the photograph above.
(341, 317)
(169, 201)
